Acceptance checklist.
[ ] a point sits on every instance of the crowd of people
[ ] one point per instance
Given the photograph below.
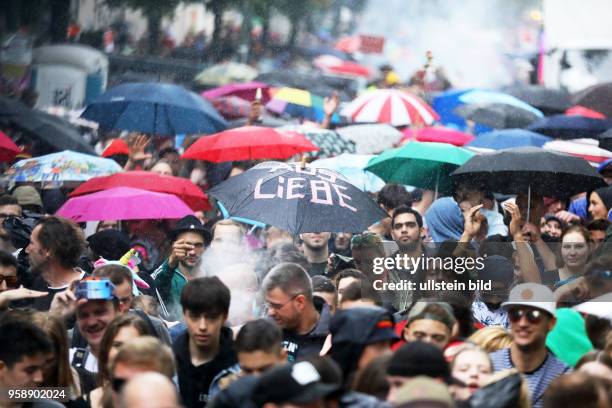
(206, 312)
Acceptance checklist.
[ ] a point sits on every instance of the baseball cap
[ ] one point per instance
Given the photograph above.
(532, 295)
(418, 358)
(27, 195)
(422, 392)
(297, 383)
(362, 325)
(190, 223)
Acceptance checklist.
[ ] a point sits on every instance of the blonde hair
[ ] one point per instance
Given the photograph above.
(491, 338)
(471, 347)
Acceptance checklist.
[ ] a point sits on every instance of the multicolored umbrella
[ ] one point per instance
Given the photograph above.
(352, 166)
(298, 103)
(61, 167)
(246, 91)
(439, 134)
(226, 73)
(370, 139)
(391, 106)
(124, 203)
(248, 143)
(183, 188)
(425, 165)
(329, 142)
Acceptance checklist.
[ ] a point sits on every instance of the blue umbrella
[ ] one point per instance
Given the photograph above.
(508, 138)
(445, 104)
(153, 108)
(481, 96)
(571, 127)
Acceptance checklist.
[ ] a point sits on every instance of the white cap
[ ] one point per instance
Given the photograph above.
(532, 295)
(600, 306)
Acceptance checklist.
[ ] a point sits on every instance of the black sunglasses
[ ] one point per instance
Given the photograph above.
(533, 316)
(117, 384)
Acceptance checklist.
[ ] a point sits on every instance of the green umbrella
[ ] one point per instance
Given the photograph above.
(420, 164)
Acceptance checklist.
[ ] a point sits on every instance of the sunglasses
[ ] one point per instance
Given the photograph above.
(11, 281)
(533, 316)
(117, 384)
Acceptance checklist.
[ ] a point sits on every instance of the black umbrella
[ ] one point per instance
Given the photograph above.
(298, 199)
(54, 132)
(549, 101)
(11, 107)
(522, 169)
(570, 127)
(497, 115)
(596, 97)
(605, 140)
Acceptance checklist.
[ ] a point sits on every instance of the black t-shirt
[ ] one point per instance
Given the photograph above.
(194, 382)
(317, 268)
(303, 345)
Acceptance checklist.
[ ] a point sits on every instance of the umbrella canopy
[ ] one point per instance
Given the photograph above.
(439, 134)
(298, 199)
(570, 127)
(52, 132)
(248, 143)
(605, 140)
(485, 97)
(425, 165)
(226, 73)
(330, 63)
(511, 171)
(124, 203)
(117, 146)
(588, 149)
(329, 142)
(352, 167)
(548, 100)
(445, 104)
(578, 110)
(312, 82)
(60, 167)
(246, 91)
(508, 138)
(596, 97)
(183, 188)
(153, 108)
(8, 148)
(298, 103)
(232, 107)
(497, 115)
(11, 106)
(372, 138)
(391, 106)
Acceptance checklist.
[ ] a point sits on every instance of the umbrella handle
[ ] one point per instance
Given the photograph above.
(528, 202)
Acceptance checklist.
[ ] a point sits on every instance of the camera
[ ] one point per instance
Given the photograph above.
(95, 289)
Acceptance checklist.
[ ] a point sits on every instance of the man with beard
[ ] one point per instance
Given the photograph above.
(287, 291)
(316, 251)
(531, 311)
(487, 305)
(190, 240)
(55, 247)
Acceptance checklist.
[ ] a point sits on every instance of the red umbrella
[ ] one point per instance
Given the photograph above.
(438, 134)
(586, 112)
(117, 146)
(248, 143)
(8, 148)
(336, 65)
(146, 180)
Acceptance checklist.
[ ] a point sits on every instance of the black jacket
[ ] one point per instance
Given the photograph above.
(194, 382)
(304, 345)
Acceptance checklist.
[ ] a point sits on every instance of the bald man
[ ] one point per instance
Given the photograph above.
(160, 392)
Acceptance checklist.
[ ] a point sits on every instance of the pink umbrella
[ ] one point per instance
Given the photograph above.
(246, 91)
(439, 134)
(124, 203)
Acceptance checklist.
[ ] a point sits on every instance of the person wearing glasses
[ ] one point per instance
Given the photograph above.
(10, 289)
(287, 290)
(531, 310)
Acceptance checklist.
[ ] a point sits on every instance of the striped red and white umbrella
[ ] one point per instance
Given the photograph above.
(391, 106)
(588, 149)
